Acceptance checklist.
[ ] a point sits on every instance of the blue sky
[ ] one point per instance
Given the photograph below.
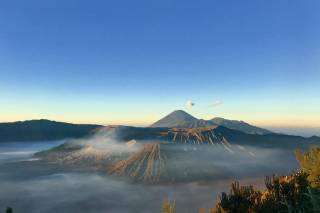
(132, 62)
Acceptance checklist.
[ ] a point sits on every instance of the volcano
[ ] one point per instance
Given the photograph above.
(177, 148)
(181, 119)
(145, 165)
(178, 118)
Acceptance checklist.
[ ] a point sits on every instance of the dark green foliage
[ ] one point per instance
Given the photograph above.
(9, 210)
(240, 199)
(314, 195)
(287, 194)
(296, 193)
(168, 206)
(310, 163)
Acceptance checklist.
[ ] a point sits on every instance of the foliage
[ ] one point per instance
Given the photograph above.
(296, 193)
(168, 206)
(9, 210)
(201, 210)
(292, 194)
(240, 199)
(310, 163)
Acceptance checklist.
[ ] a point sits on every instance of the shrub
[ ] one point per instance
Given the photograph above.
(310, 163)
(241, 199)
(284, 194)
(9, 210)
(296, 193)
(168, 206)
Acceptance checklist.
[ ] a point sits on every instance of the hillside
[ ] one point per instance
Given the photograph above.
(240, 125)
(43, 130)
(181, 119)
(207, 135)
(176, 154)
(178, 118)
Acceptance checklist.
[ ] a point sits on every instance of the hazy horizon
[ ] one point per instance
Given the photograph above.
(301, 130)
(133, 63)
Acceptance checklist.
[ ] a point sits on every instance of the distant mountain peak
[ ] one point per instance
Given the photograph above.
(175, 119)
(181, 113)
(182, 119)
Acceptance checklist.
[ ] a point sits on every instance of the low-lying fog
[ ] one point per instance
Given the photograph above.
(30, 185)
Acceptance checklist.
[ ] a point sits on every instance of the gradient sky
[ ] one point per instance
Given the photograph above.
(132, 62)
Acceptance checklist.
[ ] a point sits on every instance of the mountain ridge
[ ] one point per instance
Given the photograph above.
(43, 130)
(181, 119)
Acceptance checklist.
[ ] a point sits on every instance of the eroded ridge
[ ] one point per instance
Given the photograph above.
(146, 164)
(203, 135)
(86, 154)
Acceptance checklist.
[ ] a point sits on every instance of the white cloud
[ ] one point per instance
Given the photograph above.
(216, 103)
(189, 104)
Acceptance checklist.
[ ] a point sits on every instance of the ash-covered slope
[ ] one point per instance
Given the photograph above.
(163, 162)
(206, 135)
(173, 154)
(146, 164)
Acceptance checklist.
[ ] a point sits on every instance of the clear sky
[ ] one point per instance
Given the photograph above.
(132, 62)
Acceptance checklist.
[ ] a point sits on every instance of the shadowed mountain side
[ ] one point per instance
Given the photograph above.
(43, 130)
(271, 140)
(73, 155)
(178, 118)
(208, 135)
(181, 119)
(240, 126)
(177, 154)
(166, 162)
(153, 163)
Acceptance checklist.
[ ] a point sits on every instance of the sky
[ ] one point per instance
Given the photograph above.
(132, 62)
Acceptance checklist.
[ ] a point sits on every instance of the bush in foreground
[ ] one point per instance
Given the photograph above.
(292, 193)
(296, 193)
(310, 163)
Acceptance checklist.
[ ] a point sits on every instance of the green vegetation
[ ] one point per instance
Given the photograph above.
(168, 206)
(240, 199)
(310, 163)
(9, 210)
(292, 193)
(296, 193)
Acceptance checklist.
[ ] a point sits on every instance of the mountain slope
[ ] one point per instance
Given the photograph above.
(175, 154)
(146, 164)
(240, 126)
(178, 118)
(205, 135)
(38, 130)
(181, 119)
